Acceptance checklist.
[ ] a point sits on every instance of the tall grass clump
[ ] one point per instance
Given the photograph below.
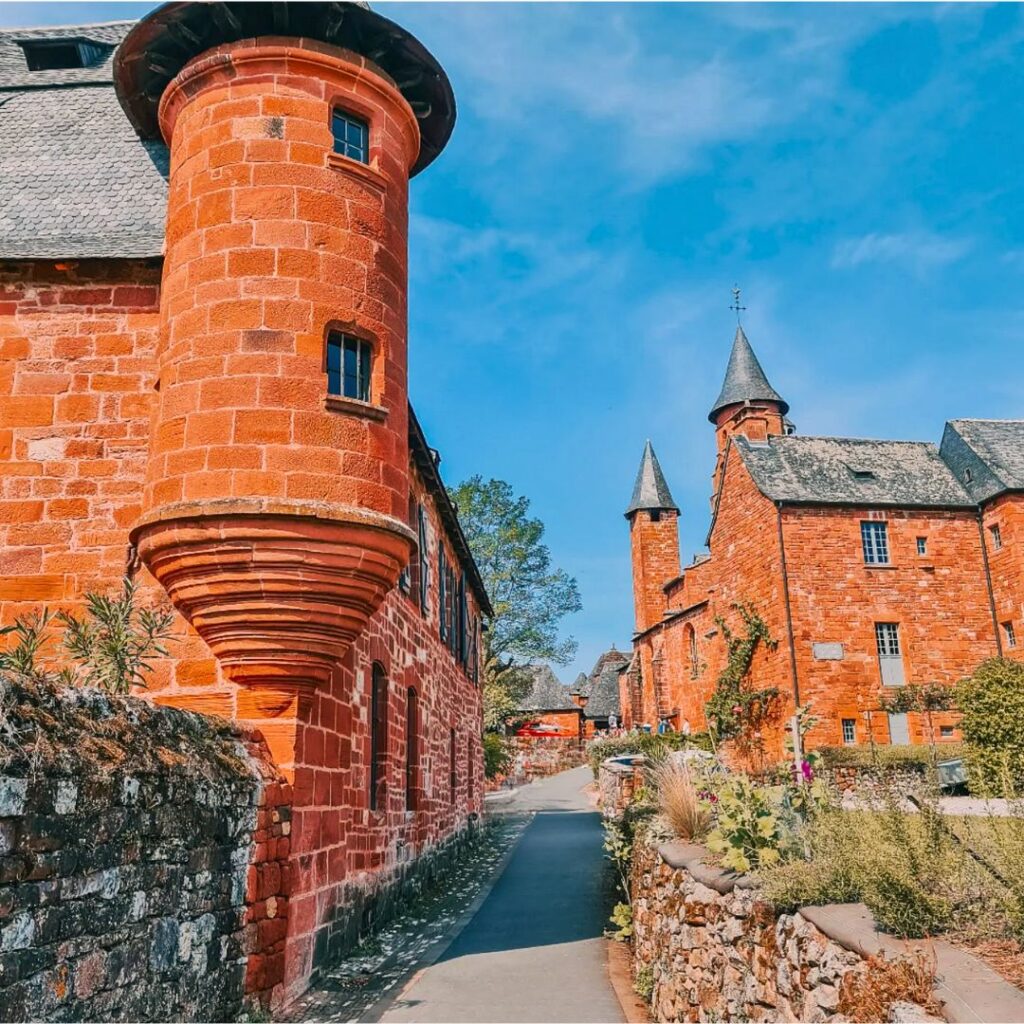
(679, 799)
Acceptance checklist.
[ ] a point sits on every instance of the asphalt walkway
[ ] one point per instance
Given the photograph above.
(534, 951)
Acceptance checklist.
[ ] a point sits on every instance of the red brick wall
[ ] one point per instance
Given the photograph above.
(655, 551)
(1007, 566)
(940, 601)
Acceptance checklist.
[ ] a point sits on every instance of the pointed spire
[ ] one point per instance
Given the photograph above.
(650, 490)
(745, 380)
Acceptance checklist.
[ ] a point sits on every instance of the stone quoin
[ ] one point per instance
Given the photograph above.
(203, 383)
(874, 565)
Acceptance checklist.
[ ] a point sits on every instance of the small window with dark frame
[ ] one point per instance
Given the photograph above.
(412, 749)
(849, 731)
(378, 735)
(424, 555)
(874, 536)
(349, 362)
(946, 732)
(922, 545)
(452, 769)
(351, 136)
(1009, 635)
(996, 535)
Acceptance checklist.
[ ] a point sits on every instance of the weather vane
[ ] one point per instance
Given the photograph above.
(736, 307)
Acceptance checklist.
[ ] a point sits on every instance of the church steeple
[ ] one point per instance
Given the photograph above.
(651, 489)
(745, 380)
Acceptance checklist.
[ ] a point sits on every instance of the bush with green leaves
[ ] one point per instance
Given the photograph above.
(750, 828)
(913, 756)
(992, 702)
(499, 755)
(112, 646)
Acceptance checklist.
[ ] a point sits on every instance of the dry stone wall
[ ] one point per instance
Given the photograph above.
(712, 951)
(143, 857)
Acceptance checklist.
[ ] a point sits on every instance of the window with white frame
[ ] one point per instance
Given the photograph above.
(1010, 636)
(875, 538)
(849, 731)
(997, 537)
(922, 545)
(890, 656)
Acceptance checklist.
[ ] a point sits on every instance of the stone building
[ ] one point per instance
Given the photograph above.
(874, 564)
(598, 693)
(549, 708)
(203, 383)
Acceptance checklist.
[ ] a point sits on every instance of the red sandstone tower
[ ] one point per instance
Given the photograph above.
(277, 487)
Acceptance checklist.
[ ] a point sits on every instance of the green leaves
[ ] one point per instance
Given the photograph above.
(528, 595)
(734, 709)
(112, 646)
(751, 830)
(992, 700)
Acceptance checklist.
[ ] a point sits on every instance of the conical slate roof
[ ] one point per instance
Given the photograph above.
(745, 380)
(650, 490)
(546, 692)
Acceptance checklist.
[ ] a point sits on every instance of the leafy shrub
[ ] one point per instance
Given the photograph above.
(798, 883)
(679, 800)
(643, 983)
(498, 755)
(912, 756)
(900, 905)
(111, 647)
(749, 831)
(992, 700)
(622, 918)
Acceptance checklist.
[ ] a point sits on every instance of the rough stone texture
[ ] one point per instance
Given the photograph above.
(864, 780)
(536, 757)
(616, 784)
(144, 856)
(271, 239)
(726, 956)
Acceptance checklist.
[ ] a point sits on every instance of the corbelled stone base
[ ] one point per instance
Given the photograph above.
(278, 598)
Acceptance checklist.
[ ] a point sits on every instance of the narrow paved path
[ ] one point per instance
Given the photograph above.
(534, 951)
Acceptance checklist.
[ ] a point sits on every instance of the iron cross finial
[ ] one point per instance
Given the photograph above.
(736, 307)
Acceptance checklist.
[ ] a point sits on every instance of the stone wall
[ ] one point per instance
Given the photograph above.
(867, 781)
(143, 860)
(616, 784)
(712, 951)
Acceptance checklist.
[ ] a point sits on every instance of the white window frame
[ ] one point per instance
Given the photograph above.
(849, 736)
(890, 653)
(874, 539)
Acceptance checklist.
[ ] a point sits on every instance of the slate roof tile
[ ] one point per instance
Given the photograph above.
(852, 471)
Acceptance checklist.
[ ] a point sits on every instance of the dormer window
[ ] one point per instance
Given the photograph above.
(59, 54)
(351, 136)
(862, 474)
(348, 366)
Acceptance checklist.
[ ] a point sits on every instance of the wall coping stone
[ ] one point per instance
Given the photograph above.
(971, 992)
(690, 856)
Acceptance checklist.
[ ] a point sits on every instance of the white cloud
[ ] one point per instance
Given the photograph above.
(918, 251)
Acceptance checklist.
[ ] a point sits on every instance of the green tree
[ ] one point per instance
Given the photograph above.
(992, 702)
(528, 595)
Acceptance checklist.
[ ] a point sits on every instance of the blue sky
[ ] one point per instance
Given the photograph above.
(616, 168)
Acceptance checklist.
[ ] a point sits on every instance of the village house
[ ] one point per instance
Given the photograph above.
(203, 383)
(873, 564)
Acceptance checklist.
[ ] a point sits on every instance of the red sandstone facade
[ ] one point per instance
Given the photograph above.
(168, 417)
(786, 537)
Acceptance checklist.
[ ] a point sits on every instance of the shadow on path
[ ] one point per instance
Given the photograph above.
(535, 950)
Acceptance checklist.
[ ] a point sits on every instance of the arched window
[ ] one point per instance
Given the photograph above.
(412, 749)
(378, 735)
(691, 642)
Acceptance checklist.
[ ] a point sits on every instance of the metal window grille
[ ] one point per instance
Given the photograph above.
(849, 731)
(348, 366)
(997, 537)
(875, 538)
(351, 136)
(1011, 637)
